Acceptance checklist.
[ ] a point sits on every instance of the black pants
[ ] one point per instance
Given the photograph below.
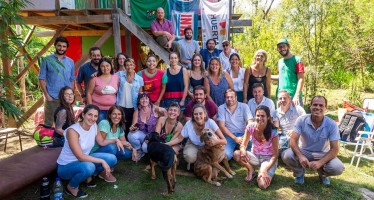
(129, 112)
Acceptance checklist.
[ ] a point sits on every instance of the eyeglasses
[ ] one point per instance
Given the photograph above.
(68, 95)
(225, 45)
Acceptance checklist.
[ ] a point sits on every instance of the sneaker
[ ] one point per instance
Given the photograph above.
(108, 178)
(299, 180)
(324, 179)
(91, 184)
(81, 194)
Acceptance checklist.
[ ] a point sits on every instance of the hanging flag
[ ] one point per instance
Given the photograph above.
(184, 14)
(143, 12)
(214, 21)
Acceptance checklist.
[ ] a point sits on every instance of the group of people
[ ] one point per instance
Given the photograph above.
(124, 106)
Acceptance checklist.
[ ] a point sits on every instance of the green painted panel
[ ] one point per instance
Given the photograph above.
(107, 49)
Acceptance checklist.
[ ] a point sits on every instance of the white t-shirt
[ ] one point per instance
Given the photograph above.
(238, 81)
(225, 60)
(189, 132)
(86, 141)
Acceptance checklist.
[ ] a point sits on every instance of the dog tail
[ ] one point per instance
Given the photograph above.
(184, 173)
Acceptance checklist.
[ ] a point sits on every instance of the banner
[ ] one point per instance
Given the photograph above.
(143, 12)
(214, 21)
(184, 14)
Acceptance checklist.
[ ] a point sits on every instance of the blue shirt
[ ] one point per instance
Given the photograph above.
(236, 121)
(207, 55)
(137, 82)
(55, 75)
(316, 139)
(85, 73)
(265, 102)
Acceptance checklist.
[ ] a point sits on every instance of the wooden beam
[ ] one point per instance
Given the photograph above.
(144, 37)
(116, 33)
(41, 52)
(75, 33)
(128, 43)
(237, 30)
(31, 111)
(51, 20)
(243, 22)
(98, 43)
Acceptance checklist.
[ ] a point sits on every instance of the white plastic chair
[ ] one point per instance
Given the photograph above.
(365, 140)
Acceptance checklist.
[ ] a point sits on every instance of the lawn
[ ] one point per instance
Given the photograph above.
(134, 182)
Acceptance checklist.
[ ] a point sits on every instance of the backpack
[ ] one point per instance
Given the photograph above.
(43, 135)
(351, 123)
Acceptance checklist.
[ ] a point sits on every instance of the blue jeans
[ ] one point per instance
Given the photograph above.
(77, 172)
(283, 143)
(231, 145)
(113, 149)
(136, 139)
(102, 115)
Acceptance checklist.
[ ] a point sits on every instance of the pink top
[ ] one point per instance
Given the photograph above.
(104, 94)
(261, 148)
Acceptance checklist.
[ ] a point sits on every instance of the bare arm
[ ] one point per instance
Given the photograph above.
(89, 91)
(229, 80)
(227, 132)
(160, 121)
(207, 87)
(268, 82)
(300, 83)
(334, 150)
(60, 121)
(245, 84)
(79, 87)
(185, 81)
(163, 88)
(174, 140)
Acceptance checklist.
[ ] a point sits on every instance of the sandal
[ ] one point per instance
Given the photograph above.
(254, 175)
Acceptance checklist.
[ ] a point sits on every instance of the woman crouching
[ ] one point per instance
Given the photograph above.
(75, 163)
(265, 148)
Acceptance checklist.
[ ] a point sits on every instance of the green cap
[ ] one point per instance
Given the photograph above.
(282, 41)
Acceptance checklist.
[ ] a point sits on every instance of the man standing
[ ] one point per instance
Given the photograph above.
(291, 72)
(319, 137)
(260, 99)
(88, 70)
(287, 113)
(224, 56)
(188, 48)
(56, 72)
(163, 31)
(232, 119)
(199, 93)
(209, 52)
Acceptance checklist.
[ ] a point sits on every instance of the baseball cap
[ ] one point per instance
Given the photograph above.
(282, 41)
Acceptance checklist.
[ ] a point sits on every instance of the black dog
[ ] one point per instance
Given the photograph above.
(165, 157)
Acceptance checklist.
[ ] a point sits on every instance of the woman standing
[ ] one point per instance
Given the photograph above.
(217, 82)
(197, 73)
(265, 148)
(257, 73)
(177, 85)
(64, 115)
(193, 130)
(103, 88)
(130, 85)
(237, 75)
(75, 163)
(120, 62)
(112, 128)
(169, 127)
(144, 122)
(154, 80)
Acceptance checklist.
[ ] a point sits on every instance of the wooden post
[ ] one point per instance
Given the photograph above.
(8, 85)
(229, 23)
(116, 32)
(22, 83)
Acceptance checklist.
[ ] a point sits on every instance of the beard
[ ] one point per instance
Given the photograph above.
(285, 54)
(95, 61)
(188, 37)
(60, 52)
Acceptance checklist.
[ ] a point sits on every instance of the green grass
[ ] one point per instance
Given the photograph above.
(135, 183)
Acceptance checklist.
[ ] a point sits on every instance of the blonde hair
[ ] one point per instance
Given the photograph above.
(220, 72)
(258, 52)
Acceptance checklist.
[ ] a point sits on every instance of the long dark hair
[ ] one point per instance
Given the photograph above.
(86, 109)
(122, 122)
(68, 107)
(269, 125)
(99, 72)
(116, 60)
